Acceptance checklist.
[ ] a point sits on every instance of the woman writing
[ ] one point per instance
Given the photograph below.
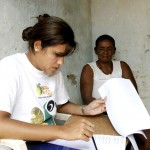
(33, 90)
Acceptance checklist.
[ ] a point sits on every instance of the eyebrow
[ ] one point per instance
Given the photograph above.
(104, 47)
(61, 54)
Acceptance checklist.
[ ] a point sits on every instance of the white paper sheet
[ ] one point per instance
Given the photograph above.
(78, 144)
(133, 142)
(126, 112)
(109, 142)
(125, 109)
(103, 142)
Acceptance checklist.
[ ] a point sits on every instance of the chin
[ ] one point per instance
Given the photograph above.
(50, 73)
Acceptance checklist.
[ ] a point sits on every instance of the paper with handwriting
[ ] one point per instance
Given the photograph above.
(125, 108)
(108, 142)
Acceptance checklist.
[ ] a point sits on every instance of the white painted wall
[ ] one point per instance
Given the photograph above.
(16, 15)
(128, 22)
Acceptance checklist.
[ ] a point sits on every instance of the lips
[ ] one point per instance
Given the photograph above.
(54, 69)
(105, 57)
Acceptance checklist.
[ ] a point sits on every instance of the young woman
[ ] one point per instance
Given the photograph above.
(32, 88)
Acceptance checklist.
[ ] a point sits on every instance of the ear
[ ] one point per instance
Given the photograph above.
(37, 45)
(114, 51)
(95, 50)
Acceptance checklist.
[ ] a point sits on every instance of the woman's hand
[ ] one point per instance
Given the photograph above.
(81, 129)
(95, 107)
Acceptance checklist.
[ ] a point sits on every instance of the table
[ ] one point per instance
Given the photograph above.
(102, 124)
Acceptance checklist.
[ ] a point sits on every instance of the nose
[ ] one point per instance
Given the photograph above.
(106, 50)
(60, 61)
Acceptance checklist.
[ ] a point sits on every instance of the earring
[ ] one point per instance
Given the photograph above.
(36, 49)
(39, 47)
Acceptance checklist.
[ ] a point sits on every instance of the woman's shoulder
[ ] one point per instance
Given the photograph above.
(124, 64)
(120, 63)
(10, 62)
(125, 67)
(91, 64)
(116, 61)
(87, 69)
(11, 58)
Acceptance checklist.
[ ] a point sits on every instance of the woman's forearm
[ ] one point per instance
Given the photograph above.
(13, 129)
(71, 108)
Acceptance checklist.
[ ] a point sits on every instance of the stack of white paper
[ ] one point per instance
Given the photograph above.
(77, 144)
(103, 142)
(108, 142)
(125, 108)
(126, 112)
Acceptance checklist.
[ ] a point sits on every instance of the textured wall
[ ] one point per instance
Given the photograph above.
(128, 22)
(18, 14)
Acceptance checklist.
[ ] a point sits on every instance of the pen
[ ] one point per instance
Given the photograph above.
(94, 143)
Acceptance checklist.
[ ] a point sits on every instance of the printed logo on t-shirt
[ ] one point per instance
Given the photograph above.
(43, 90)
(37, 116)
(45, 117)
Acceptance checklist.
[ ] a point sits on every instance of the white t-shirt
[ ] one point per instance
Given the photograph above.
(99, 77)
(28, 94)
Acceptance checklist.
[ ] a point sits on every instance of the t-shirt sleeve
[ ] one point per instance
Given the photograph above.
(8, 85)
(62, 94)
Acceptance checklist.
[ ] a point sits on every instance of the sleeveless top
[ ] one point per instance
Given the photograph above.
(99, 77)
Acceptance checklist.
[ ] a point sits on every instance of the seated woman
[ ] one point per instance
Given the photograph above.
(33, 90)
(94, 74)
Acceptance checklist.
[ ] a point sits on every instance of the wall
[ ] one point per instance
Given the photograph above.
(18, 14)
(128, 22)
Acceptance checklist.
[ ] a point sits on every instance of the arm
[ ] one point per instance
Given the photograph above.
(10, 128)
(13, 129)
(127, 73)
(94, 108)
(86, 84)
(80, 130)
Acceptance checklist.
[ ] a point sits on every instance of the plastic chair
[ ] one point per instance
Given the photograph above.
(14, 144)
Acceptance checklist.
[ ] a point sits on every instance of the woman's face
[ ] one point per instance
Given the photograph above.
(50, 59)
(105, 50)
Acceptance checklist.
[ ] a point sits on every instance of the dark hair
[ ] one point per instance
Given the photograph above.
(50, 30)
(105, 37)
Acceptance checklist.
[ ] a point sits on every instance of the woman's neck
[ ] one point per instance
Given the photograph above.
(105, 67)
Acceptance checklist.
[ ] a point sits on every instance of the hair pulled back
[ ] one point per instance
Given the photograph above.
(50, 30)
